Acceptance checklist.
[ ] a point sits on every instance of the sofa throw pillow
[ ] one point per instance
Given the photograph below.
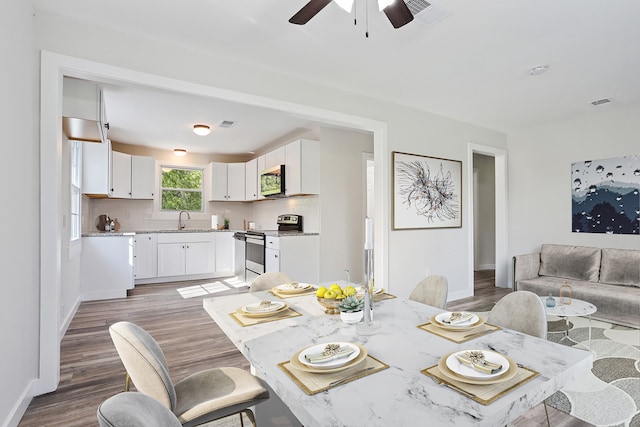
(620, 267)
(570, 262)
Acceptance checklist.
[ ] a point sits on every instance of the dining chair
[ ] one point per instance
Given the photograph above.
(522, 311)
(432, 290)
(267, 281)
(133, 409)
(199, 398)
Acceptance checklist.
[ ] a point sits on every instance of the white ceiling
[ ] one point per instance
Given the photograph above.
(472, 65)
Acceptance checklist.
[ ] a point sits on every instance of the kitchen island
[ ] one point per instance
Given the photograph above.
(400, 395)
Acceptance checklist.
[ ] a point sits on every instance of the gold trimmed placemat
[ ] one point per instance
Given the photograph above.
(481, 393)
(285, 295)
(382, 296)
(459, 336)
(249, 321)
(312, 383)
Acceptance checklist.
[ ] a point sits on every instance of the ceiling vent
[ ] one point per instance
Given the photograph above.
(425, 12)
(226, 124)
(600, 101)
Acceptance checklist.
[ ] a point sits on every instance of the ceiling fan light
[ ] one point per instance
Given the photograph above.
(201, 130)
(347, 5)
(180, 152)
(384, 3)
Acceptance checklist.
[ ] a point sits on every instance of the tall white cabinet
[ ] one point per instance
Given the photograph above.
(302, 162)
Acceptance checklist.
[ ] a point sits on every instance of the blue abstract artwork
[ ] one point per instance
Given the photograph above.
(606, 196)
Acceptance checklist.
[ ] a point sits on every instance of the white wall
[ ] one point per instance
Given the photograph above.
(486, 201)
(540, 176)
(20, 251)
(342, 212)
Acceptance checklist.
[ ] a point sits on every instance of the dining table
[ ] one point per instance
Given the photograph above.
(401, 394)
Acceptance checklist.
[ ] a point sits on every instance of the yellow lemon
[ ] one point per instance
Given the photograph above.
(321, 291)
(335, 287)
(340, 296)
(330, 294)
(349, 290)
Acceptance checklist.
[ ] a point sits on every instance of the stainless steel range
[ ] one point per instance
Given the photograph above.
(254, 258)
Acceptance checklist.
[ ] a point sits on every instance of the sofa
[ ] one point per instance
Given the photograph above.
(607, 278)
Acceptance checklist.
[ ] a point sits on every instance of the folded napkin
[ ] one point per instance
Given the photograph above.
(330, 352)
(264, 305)
(475, 359)
(458, 317)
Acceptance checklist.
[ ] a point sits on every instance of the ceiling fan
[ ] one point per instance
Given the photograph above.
(396, 10)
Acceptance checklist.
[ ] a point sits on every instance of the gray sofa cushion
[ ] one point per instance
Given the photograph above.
(620, 267)
(570, 262)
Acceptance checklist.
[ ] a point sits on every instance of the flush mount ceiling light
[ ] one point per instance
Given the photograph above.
(540, 69)
(180, 152)
(201, 130)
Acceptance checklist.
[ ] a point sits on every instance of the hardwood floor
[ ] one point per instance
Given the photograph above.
(91, 370)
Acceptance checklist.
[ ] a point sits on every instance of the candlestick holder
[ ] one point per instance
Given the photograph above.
(368, 326)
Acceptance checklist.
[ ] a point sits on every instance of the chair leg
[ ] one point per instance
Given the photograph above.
(127, 382)
(250, 415)
(546, 412)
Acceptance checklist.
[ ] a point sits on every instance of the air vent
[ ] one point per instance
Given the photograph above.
(601, 101)
(425, 12)
(226, 124)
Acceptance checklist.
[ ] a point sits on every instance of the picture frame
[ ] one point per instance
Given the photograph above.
(427, 192)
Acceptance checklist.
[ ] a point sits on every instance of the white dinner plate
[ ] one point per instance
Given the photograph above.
(360, 290)
(443, 317)
(332, 363)
(467, 371)
(293, 287)
(256, 308)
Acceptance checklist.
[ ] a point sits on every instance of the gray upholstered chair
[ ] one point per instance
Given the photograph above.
(131, 409)
(522, 311)
(432, 290)
(199, 398)
(267, 281)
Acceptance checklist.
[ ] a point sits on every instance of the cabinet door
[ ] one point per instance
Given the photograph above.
(218, 181)
(171, 259)
(262, 166)
(271, 260)
(293, 168)
(120, 175)
(142, 177)
(199, 258)
(145, 256)
(225, 252)
(275, 158)
(251, 180)
(235, 182)
(96, 168)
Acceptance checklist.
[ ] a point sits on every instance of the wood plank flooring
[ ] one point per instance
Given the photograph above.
(91, 370)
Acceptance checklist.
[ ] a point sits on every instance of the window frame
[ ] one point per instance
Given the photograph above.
(75, 199)
(201, 190)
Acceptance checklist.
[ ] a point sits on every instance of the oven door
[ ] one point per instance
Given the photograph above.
(255, 253)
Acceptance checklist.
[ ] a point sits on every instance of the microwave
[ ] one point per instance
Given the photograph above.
(272, 182)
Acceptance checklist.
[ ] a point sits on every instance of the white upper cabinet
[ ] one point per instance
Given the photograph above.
(120, 175)
(274, 158)
(96, 169)
(83, 111)
(227, 181)
(262, 161)
(302, 173)
(251, 180)
(142, 177)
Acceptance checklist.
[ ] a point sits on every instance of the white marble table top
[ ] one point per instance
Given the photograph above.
(400, 395)
(576, 308)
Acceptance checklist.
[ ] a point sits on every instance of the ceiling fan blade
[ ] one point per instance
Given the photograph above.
(398, 13)
(308, 11)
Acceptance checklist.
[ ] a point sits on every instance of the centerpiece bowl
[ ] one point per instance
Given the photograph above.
(330, 305)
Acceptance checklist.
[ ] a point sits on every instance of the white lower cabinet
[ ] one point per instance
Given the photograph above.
(106, 267)
(145, 256)
(181, 254)
(296, 256)
(225, 252)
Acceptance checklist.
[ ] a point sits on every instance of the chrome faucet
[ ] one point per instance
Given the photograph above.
(180, 224)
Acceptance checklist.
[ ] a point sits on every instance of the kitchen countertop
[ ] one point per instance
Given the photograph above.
(270, 233)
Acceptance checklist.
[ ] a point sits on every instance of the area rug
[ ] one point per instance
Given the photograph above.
(610, 394)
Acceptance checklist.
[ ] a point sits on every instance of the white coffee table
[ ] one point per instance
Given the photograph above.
(576, 308)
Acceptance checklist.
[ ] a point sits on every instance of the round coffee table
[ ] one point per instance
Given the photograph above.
(577, 307)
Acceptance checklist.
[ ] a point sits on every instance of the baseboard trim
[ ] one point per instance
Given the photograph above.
(68, 319)
(487, 267)
(20, 406)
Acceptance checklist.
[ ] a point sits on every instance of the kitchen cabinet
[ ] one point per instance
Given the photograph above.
(145, 256)
(227, 181)
(225, 252)
(182, 254)
(297, 256)
(106, 267)
(302, 162)
(274, 158)
(117, 175)
(251, 180)
(84, 115)
(261, 164)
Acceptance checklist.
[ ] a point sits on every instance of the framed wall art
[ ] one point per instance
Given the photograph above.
(605, 196)
(427, 192)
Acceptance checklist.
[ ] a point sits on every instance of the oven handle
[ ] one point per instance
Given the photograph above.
(255, 241)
